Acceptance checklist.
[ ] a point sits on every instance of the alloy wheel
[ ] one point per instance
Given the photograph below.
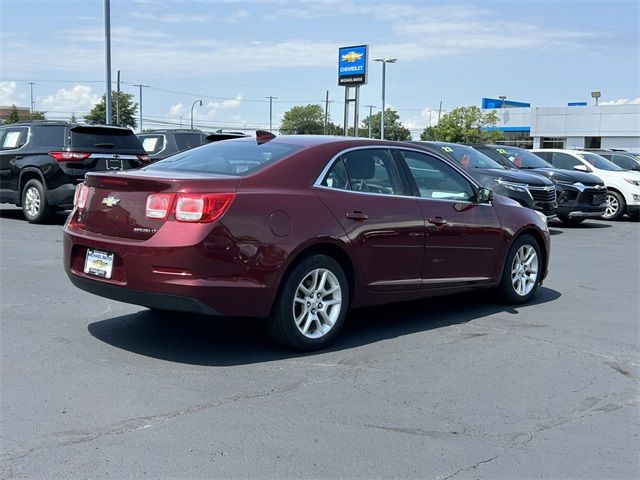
(32, 201)
(524, 270)
(317, 303)
(612, 206)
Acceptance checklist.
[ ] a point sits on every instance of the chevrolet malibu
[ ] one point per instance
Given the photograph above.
(298, 230)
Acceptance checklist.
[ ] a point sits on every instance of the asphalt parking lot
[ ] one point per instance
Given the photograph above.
(457, 387)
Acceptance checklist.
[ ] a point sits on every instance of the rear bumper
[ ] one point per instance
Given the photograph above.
(161, 301)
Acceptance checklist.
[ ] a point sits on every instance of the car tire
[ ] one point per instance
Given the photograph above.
(615, 206)
(34, 202)
(311, 306)
(522, 270)
(570, 221)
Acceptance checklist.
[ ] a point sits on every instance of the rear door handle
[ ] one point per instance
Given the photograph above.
(437, 221)
(357, 216)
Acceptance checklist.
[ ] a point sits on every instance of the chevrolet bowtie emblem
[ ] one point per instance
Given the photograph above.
(352, 57)
(110, 201)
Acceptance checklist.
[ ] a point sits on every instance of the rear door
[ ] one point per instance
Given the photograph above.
(365, 191)
(463, 238)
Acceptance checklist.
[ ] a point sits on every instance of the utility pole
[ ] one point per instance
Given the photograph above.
(271, 99)
(384, 62)
(140, 85)
(118, 97)
(371, 107)
(107, 58)
(326, 112)
(33, 107)
(439, 111)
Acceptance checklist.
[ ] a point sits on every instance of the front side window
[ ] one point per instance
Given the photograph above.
(435, 179)
(367, 170)
(564, 161)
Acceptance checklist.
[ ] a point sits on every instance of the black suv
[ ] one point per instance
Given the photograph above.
(41, 162)
(160, 144)
(580, 195)
(532, 191)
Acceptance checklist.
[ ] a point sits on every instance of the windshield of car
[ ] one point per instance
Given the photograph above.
(230, 157)
(104, 138)
(469, 157)
(600, 162)
(522, 158)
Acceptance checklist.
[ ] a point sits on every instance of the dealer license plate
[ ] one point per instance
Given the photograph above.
(98, 263)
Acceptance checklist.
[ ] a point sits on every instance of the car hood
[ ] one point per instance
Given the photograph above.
(556, 174)
(484, 175)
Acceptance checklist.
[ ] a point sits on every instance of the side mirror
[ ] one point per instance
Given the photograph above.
(484, 195)
(581, 168)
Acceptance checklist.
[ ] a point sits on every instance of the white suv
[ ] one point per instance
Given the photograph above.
(623, 186)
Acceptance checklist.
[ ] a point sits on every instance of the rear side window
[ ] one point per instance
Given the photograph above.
(14, 137)
(226, 158)
(152, 143)
(104, 138)
(623, 161)
(185, 141)
(50, 136)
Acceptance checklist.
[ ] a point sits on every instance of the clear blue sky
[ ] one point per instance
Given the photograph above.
(234, 53)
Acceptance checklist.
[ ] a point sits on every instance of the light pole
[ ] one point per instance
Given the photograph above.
(193, 105)
(371, 107)
(271, 99)
(140, 116)
(384, 70)
(107, 61)
(596, 95)
(33, 107)
(502, 98)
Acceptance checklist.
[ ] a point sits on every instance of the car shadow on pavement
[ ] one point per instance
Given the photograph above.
(200, 340)
(58, 217)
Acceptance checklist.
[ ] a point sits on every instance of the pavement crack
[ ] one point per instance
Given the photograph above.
(472, 467)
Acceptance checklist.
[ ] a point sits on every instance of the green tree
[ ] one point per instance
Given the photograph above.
(393, 129)
(307, 119)
(464, 125)
(73, 118)
(36, 116)
(13, 116)
(122, 107)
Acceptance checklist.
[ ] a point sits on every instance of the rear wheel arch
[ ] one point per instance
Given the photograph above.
(329, 249)
(26, 175)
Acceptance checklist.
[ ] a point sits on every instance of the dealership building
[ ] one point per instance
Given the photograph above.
(575, 126)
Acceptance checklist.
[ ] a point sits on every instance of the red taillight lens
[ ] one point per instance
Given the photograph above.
(158, 205)
(80, 197)
(144, 158)
(70, 156)
(202, 207)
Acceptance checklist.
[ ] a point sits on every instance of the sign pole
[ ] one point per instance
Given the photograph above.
(356, 116)
(346, 111)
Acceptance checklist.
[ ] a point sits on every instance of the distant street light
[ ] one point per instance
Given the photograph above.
(384, 70)
(596, 95)
(503, 98)
(194, 104)
(271, 99)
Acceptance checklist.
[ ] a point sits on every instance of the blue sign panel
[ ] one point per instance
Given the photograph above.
(352, 65)
(577, 104)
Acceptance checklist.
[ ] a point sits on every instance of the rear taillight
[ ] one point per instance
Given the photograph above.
(144, 158)
(70, 156)
(205, 207)
(158, 205)
(80, 197)
(202, 207)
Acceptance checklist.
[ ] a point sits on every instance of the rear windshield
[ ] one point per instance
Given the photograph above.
(104, 138)
(226, 158)
(185, 141)
(152, 143)
(469, 157)
(600, 162)
(522, 158)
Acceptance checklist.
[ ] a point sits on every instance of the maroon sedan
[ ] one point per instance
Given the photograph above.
(298, 229)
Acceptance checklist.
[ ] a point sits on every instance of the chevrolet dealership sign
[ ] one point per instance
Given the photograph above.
(352, 65)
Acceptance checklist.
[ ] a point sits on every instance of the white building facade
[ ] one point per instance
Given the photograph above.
(574, 127)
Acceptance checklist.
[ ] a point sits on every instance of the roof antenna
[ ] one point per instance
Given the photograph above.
(262, 136)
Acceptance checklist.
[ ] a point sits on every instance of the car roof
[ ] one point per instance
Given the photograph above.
(170, 130)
